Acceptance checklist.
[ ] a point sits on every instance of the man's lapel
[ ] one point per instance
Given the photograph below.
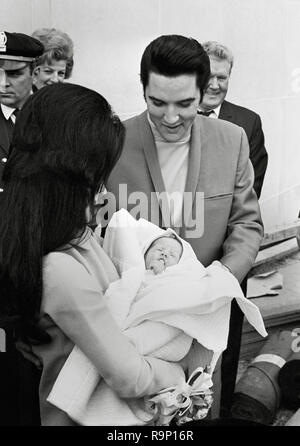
(226, 111)
(151, 157)
(194, 158)
(193, 174)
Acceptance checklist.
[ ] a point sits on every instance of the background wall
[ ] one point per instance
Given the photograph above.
(110, 36)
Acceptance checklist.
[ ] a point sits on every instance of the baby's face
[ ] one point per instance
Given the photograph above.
(164, 252)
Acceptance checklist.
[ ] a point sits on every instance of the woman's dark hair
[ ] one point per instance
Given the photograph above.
(174, 55)
(65, 144)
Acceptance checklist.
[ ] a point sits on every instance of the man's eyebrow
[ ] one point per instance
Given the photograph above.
(191, 99)
(153, 98)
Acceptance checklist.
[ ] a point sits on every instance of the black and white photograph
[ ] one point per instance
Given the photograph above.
(150, 216)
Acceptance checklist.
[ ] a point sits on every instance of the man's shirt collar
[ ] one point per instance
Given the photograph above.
(7, 111)
(216, 111)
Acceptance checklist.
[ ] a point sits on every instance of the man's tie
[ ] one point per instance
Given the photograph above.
(16, 112)
(10, 127)
(205, 113)
(10, 124)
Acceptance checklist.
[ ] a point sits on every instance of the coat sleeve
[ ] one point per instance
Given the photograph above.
(258, 154)
(74, 301)
(245, 229)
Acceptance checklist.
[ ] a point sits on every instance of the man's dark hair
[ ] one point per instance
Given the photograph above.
(174, 55)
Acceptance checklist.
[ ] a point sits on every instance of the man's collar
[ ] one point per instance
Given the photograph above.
(7, 111)
(215, 110)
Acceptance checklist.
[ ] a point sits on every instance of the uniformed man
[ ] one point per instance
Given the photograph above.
(18, 378)
(17, 58)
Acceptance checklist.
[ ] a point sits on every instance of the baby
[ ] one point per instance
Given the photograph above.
(163, 252)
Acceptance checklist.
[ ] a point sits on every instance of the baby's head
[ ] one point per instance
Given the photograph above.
(163, 252)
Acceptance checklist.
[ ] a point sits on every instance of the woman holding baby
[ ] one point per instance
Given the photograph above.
(53, 272)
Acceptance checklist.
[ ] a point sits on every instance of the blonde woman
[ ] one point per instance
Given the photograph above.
(56, 63)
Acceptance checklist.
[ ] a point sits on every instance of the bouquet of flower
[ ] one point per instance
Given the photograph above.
(187, 401)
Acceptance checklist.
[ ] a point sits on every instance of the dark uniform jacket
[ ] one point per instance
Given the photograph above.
(6, 130)
(18, 377)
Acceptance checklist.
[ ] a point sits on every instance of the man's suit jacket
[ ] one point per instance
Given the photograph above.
(6, 130)
(251, 123)
(219, 167)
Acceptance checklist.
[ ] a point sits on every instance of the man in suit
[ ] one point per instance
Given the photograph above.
(185, 171)
(214, 105)
(18, 403)
(17, 55)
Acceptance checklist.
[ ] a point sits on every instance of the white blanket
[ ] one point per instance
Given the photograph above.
(185, 302)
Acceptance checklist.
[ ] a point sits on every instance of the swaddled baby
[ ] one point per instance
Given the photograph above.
(163, 300)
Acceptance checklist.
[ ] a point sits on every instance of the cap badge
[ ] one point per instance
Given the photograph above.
(3, 40)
